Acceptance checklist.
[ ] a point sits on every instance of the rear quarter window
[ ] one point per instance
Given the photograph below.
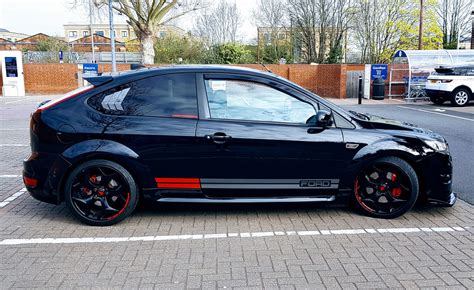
(159, 96)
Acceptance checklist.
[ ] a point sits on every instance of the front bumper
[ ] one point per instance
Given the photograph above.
(437, 179)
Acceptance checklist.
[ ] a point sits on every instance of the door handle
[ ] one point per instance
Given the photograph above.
(218, 138)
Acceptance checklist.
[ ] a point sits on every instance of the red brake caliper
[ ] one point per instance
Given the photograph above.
(397, 191)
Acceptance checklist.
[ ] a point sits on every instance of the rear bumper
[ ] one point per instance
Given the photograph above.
(47, 169)
(437, 94)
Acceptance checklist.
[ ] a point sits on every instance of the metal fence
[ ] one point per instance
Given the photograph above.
(80, 57)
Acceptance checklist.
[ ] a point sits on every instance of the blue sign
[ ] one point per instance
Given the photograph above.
(379, 71)
(90, 68)
(61, 55)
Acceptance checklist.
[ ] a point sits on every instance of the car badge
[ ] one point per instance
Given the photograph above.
(352, 145)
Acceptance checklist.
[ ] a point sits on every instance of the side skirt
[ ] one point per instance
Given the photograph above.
(249, 200)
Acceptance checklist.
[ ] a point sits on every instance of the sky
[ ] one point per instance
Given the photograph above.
(48, 16)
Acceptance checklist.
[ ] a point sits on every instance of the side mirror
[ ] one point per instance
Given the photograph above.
(322, 119)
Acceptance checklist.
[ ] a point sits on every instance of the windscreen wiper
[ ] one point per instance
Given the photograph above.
(360, 115)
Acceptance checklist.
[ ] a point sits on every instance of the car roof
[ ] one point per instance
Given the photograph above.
(187, 68)
(145, 72)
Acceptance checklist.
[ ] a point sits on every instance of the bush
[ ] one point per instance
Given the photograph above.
(172, 47)
(230, 53)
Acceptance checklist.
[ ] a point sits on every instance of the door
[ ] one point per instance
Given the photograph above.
(254, 141)
(156, 117)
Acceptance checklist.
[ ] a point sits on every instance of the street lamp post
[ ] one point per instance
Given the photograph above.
(112, 36)
(90, 27)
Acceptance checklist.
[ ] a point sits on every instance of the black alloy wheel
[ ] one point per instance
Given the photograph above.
(101, 192)
(387, 188)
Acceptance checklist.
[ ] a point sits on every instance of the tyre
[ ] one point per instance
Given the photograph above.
(101, 192)
(437, 100)
(386, 188)
(460, 97)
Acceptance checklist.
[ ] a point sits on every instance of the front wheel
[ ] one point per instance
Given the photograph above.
(101, 192)
(386, 188)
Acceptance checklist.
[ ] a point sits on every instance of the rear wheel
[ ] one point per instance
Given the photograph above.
(460, 97)
(386, 188)
(101, 193)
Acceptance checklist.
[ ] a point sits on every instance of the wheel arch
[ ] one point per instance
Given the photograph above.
(412, 159)
(106, 150)
(463, 87)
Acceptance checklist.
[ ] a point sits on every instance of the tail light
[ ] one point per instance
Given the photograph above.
(30, 182)
(67, 96)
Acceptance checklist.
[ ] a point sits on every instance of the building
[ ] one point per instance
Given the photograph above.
(11, 36)
(123, 32)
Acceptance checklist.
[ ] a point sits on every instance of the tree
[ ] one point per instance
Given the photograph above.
(220, 24)
(146, 16)
(321, 26)
(271, 16)
(376, 27)
(453, 18)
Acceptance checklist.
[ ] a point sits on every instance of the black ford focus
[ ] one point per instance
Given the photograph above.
(224, 134)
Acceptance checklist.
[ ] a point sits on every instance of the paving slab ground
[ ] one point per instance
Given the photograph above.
(177, 246)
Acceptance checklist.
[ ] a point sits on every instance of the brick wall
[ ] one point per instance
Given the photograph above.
(326, 80)
(50, 78)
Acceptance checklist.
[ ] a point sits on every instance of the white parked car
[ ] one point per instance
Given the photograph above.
(455, 84)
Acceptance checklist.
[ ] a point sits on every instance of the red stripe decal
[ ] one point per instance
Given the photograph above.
(177, 180)
(179, 185)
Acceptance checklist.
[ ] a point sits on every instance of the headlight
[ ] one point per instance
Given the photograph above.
(437, 145)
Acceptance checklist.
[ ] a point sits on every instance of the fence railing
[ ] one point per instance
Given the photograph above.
(80, 57)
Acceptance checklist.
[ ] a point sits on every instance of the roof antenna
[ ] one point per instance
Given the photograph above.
(268, 70)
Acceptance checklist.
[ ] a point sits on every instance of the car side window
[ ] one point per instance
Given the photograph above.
(159, 96)
(243, 100)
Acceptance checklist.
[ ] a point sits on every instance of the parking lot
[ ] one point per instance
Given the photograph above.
(246, 246)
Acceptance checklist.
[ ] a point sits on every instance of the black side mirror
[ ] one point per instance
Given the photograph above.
(322, 119)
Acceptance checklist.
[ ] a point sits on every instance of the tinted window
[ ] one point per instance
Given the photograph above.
(241, 100)
(160, 96)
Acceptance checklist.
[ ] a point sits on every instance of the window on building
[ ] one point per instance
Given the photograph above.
(281, 36)
(267, 38)
(124, 33)
(85, 33)
(72, 33)
(100, 32)
(160, 96)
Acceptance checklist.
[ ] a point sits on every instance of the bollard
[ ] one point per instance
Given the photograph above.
(360, 90)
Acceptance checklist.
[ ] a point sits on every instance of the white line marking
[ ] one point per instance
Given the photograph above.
(12, 197)
(9, 176)
(437, 113)
(14, 145)
(227, 235)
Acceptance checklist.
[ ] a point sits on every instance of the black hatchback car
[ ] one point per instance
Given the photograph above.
(224, 134)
